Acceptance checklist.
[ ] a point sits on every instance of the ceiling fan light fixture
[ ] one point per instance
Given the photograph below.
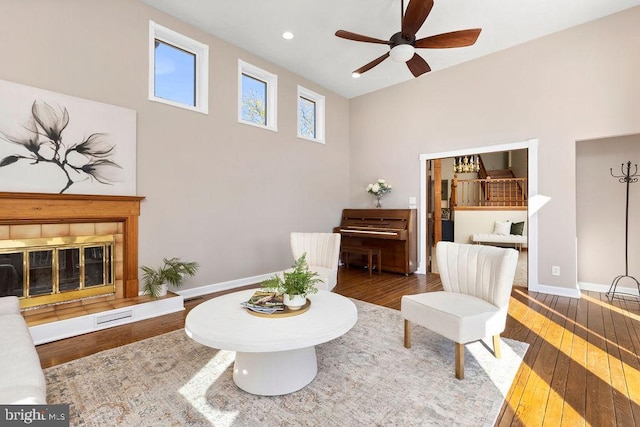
(402, 45)
(402, 53)
(355, 75)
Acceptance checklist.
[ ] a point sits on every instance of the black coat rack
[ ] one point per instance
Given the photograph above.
(626, 178)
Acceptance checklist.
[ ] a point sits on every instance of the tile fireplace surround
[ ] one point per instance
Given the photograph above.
(24, 215)
(29, 215)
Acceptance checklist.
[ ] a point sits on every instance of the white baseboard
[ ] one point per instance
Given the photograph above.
(556, 290)
(61, 329)
(223, 286)
(597, 287)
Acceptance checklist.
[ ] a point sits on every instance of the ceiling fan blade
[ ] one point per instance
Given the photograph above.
(414, 17)
(371, 64)
(418, 66)
(359, 37)
(453, 39)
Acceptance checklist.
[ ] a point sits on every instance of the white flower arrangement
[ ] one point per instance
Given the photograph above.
(379, 188)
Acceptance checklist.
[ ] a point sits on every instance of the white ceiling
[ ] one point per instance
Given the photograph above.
(318, 55)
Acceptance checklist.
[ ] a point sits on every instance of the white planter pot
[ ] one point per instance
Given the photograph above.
(296, 302)
(163, 290)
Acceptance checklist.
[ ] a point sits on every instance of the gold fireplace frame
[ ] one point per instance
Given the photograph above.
(21, 210)
(54, 244)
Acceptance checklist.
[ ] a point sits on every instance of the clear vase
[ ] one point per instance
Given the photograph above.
(379, 201)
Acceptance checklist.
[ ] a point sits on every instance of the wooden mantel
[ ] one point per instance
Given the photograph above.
(42, 208)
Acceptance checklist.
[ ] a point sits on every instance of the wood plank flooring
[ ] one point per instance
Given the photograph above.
(582, 367)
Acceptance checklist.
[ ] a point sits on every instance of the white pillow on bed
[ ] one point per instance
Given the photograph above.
(502, 227)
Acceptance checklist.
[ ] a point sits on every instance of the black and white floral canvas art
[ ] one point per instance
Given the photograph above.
(55, 143)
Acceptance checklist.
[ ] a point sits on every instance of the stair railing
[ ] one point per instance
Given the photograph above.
(488, 193)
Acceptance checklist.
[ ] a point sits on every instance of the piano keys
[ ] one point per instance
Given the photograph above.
(394, 231)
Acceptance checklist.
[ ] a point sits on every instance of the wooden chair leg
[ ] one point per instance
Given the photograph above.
(459, 361)
(407, 333)
(496, 346)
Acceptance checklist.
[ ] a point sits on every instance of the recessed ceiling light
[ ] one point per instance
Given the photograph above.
(355, 75)
(287, 35)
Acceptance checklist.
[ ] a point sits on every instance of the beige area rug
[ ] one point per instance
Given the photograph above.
(364, 378)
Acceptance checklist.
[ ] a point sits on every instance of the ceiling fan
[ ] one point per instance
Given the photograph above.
(402, 44)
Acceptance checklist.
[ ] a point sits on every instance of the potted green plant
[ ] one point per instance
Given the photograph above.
(296, 284)
(156, 281)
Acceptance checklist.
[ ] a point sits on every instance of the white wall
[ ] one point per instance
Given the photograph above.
(227, 194)
(600, 208)
(573, 85)
(217, 192)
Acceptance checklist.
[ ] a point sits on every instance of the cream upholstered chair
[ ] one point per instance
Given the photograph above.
(323, 252)
(477, 283)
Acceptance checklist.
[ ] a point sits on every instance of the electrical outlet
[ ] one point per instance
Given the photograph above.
(555, 270)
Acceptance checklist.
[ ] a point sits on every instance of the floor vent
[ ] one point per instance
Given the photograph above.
(108, 318)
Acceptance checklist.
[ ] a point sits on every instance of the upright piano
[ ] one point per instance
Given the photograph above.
(394, 231)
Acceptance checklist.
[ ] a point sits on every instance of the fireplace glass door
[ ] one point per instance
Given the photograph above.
(40, 272)
(11, 274)
(68, 269)
(57, 269)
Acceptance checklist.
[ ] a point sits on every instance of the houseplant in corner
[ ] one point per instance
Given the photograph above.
(155, 281)
(295, 284)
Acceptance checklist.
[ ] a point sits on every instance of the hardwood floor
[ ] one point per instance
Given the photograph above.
(582, 367)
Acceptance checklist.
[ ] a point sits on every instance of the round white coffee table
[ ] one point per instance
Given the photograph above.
(274, 356)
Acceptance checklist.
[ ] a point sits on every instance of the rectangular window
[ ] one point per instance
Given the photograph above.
(254, 100)
(175, 71)
(310, 115)
(257, 96)
(178, 69)
(307, 118)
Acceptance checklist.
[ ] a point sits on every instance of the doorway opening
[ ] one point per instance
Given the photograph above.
(460, 224)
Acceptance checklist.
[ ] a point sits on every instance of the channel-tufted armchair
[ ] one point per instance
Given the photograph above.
(477, 282)
(323, 253)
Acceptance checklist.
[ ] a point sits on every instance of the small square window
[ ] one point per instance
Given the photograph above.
(175, 72)
(178, 69)
(257, 96)
(310, 115)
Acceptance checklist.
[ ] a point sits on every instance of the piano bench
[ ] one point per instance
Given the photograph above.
(360, 250)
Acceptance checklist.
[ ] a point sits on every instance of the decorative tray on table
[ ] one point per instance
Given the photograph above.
(270, 304)
(282, 313)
